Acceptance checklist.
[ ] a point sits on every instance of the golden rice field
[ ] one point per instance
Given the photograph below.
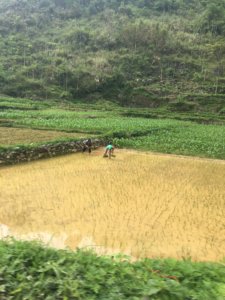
(141, 204)
(12, 136)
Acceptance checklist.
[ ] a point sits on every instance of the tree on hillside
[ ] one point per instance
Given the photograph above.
(213, 19)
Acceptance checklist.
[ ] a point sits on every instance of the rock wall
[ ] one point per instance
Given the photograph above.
(22, 154)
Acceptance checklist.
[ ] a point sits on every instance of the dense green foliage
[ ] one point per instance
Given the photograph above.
(145, 53)
(30, 271)
(186, 139)
(140, 132)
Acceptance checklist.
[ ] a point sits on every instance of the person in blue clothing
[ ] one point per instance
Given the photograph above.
(109, 150)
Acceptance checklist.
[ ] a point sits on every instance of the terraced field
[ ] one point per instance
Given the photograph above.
(21, 136)
(142, 204)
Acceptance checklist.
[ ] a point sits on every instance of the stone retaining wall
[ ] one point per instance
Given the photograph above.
(19, 154)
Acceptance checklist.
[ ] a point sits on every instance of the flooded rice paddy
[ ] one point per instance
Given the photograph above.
(141, 204)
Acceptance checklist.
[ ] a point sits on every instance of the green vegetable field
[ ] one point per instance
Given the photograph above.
(160, 135)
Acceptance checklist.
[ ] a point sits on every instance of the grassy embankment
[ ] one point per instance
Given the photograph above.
(146, 130)
(30, 271)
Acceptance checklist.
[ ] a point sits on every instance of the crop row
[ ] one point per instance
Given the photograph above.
(162, 135)
(196, 140)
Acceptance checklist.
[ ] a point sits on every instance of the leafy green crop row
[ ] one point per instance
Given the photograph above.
(30, 271)
(85, 121)
(196, 140)
(6, 102)
(161, 135)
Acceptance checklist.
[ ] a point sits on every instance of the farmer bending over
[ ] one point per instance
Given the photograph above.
(87, 144)
(109, 150)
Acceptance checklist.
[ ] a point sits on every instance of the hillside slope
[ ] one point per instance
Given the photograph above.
(137, 53)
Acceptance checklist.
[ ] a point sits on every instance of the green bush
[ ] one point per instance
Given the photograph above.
(31, 271)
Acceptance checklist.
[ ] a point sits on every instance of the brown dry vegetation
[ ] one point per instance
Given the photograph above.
(13, 136)
(141, 204)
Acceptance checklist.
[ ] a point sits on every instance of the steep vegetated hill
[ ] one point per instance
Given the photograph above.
(145, 53)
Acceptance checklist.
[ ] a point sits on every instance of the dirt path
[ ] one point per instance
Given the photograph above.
(142, 204)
